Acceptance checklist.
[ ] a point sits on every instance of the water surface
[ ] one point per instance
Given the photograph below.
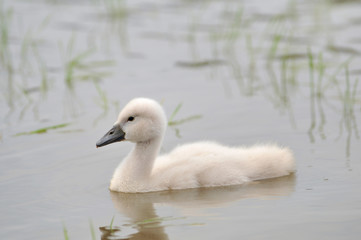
(245, 72)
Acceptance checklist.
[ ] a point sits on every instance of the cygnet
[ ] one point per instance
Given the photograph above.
(194, 165)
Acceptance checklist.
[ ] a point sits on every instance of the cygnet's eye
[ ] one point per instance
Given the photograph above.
(131, 118)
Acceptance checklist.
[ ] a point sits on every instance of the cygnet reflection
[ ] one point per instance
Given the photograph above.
(141, 208)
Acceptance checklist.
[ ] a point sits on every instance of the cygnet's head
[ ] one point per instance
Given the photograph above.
(141, 120)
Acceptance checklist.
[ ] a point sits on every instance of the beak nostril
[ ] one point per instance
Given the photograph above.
(111, 132)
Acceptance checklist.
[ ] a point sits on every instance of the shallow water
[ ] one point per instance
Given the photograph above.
(245, 72)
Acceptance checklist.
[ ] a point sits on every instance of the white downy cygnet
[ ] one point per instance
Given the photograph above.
(201, 164)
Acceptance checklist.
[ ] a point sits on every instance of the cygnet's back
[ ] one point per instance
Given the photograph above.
(209, 164)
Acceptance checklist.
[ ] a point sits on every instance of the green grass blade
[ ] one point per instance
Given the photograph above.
(65, 231)
(111, 224)
(184, 120)
(174, 113)
(76, 60)
(92, 231)
(43, 130)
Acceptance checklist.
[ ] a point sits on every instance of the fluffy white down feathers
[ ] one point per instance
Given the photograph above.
(200, 164)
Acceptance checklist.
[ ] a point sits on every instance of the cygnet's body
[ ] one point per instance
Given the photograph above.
(201, 164)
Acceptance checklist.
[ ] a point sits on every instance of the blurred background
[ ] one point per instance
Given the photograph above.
(236, 72)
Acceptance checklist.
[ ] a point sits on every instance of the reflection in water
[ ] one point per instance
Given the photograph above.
(347, 100)
(282, 89)
(348, 119)
(149, 225)
(117, 13)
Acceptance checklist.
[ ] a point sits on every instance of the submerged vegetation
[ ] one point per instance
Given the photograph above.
(262, 53)
(5, 20)
(78, 67)
(288, 57)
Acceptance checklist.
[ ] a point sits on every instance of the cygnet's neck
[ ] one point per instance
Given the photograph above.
(139, 163)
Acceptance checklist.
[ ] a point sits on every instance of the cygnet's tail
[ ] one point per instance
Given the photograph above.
(269, 161)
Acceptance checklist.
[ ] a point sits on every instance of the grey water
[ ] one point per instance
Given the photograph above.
(235, 72)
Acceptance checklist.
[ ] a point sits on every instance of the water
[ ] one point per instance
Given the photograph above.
(245, 68)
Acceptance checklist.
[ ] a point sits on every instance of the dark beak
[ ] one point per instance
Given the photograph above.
(115, 134)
